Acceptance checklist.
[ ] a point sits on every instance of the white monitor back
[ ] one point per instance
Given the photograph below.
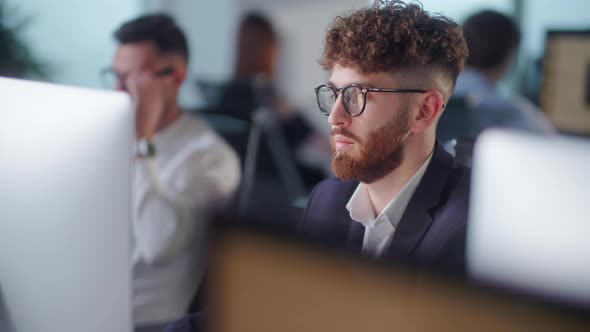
(65, 201)
(529, 220)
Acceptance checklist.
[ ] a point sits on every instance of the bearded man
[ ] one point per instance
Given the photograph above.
(398, 195)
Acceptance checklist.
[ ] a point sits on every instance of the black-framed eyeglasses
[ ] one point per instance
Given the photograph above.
(354, 97)
(111, 78)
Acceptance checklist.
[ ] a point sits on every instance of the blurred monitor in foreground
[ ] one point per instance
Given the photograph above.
(65, 208)
(268, 283)
(565, 91)
(530, 215)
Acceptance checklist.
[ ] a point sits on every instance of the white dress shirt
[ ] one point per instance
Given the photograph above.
(193, 171)
(379, 229)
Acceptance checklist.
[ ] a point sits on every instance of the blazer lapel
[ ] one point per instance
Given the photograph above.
(354, 231)
(356, 234)
(417, 218)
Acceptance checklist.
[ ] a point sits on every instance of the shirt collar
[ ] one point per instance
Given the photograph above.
(361, 208)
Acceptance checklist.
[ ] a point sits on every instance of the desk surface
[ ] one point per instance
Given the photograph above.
(262, 284)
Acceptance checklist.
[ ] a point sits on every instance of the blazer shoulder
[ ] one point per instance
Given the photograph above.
(327, 202)
(331, 192)
(459, 182)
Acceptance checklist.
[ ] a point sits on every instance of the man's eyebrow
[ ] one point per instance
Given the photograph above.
(366, 85)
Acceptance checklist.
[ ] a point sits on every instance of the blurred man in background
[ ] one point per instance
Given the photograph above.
(182, 170)
(493, 39)
(399, 195)
(278, 147)
(254, 85)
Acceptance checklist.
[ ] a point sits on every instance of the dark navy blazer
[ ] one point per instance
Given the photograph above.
(431, 232)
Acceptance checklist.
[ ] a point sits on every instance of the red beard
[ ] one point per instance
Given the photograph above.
(379, 155)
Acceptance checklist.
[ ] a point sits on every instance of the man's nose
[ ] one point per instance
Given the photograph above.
(338, 115)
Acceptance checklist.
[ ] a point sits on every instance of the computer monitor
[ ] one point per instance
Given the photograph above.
(65, 200)
(529, 218)
(565, 90)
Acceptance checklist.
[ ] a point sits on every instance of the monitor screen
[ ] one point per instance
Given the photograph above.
(529, 214)
(565, 92)
(65, 203)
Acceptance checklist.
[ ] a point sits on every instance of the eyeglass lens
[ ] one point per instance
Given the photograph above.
(352, 98)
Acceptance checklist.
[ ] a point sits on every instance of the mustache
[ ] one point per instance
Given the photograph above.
(345, 133)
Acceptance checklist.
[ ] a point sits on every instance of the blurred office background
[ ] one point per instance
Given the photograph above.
(74, 39)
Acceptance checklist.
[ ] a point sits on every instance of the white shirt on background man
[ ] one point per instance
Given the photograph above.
(193, 172)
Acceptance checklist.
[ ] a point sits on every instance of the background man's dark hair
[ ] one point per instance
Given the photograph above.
(161, 29)
(255, 49)
(491, 38)
(260, 24)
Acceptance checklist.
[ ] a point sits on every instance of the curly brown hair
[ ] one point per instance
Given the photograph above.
(393, 35)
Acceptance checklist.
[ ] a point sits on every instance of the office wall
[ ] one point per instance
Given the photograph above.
(74, 37)
(458, 10)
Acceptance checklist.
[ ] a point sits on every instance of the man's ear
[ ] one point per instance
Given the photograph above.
(180, 72)
(431, 106)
